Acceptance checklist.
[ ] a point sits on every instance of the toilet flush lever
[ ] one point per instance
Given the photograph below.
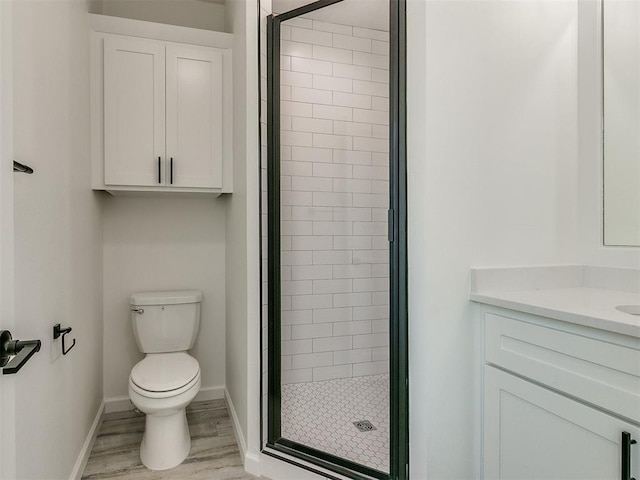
(139, 311)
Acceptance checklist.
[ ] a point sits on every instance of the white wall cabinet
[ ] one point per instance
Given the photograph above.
(194, 116)
(161, 110)
(134, 111)
(557, 401)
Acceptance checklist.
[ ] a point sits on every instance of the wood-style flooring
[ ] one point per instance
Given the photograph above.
(214, 452)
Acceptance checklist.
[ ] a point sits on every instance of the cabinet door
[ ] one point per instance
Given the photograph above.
(134, 111)
(194, 116)
(533, 433)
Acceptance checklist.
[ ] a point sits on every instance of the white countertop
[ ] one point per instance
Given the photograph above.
(566, 293)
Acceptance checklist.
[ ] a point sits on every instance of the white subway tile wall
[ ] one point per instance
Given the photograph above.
(334, 272)
(334, 199)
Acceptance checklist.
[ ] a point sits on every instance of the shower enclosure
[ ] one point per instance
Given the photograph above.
(334, 250)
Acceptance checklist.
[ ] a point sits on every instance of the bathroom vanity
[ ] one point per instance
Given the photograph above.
(561, 372)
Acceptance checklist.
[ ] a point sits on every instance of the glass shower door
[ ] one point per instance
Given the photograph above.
(330, 309)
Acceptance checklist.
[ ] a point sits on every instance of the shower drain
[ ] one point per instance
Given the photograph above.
(364, 426)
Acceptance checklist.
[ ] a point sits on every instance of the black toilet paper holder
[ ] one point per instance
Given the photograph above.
(57, 331)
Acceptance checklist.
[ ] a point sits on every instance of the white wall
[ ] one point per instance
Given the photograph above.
(493, 180)
(186, 13)
(243, 268)
(7, 300)
(58, 237)
(236, 360)
(162, 243)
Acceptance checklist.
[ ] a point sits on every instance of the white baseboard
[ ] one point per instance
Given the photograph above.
(122, 404)
(236, 427)
(117, 404)
(250, 460)
(85, 451)
(252, 463)
(210, 393)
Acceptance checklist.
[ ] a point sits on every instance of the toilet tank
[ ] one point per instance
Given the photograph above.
(165, 321)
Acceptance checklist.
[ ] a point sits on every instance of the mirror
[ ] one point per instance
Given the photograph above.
(621, 117)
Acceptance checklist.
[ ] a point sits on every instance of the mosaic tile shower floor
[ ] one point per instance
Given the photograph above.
(321, 415)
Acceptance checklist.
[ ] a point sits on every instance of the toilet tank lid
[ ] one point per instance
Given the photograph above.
(166, 298)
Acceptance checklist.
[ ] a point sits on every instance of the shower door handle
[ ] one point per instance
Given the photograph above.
(391, 232)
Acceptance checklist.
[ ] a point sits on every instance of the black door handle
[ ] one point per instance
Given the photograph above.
(625, 455)
(21, 351)
(171, 172)
(159, 171)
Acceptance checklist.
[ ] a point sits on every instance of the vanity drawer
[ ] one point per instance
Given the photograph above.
(596, 371)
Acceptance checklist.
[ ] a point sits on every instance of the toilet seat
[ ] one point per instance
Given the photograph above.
(164, 375)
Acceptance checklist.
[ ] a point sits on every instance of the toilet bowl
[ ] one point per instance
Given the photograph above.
(161, 385)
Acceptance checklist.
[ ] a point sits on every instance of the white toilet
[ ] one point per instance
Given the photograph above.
(165, 325)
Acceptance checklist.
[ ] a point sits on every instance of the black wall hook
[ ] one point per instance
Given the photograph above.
(57, 331)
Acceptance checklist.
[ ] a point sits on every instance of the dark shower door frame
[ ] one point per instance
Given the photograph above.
(399, 366)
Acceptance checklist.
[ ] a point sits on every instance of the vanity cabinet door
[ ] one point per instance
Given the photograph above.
(134, 111)
(194, 116)
(533, 433)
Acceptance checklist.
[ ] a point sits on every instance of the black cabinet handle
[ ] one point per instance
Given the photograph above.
(171, 172)
(159, 171)
(625, 453)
